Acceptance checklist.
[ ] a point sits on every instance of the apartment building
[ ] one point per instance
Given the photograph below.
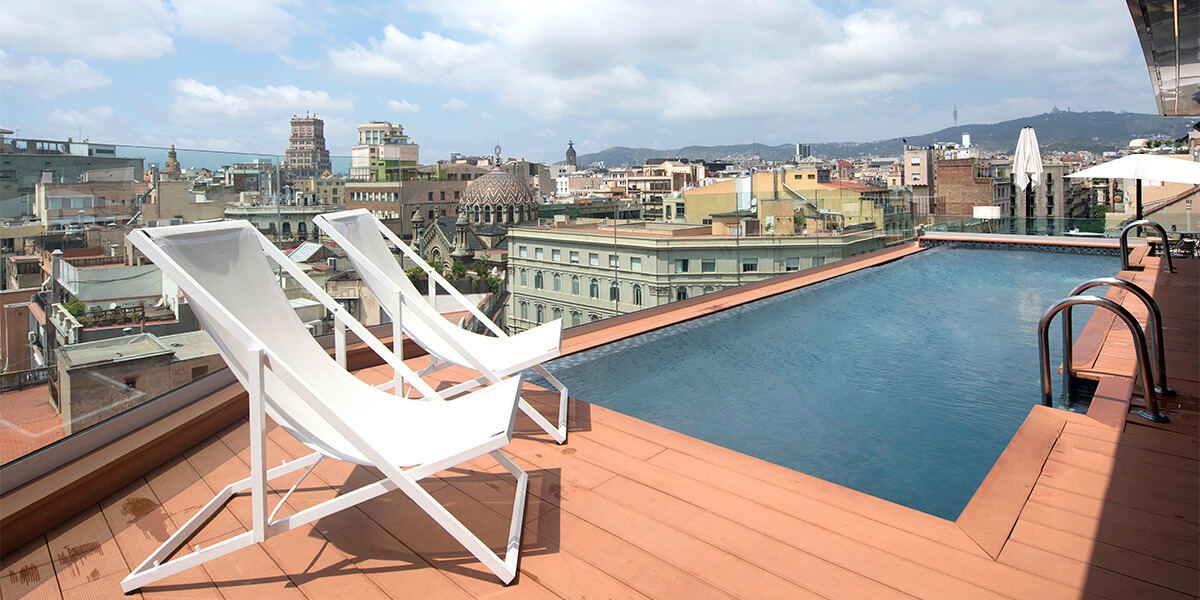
(584, 272)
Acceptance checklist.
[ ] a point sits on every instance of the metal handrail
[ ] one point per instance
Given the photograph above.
(1139, 340)
(1155, 333)
(1125, 243)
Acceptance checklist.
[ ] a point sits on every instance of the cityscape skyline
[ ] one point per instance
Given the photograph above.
(463, 77)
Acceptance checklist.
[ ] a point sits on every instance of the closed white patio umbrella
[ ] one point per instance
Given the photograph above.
(1148, 167)
(1027, 166)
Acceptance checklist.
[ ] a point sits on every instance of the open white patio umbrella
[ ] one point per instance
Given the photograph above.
(1027, 166)
(1148, 167)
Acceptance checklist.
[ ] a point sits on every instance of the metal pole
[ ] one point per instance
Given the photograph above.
(1139, 338)
(1156, 330)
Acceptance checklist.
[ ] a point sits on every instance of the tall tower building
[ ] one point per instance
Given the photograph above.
(571, 153)
(306, 155)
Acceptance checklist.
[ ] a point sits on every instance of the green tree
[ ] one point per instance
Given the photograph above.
(75, 307)
(458, 270)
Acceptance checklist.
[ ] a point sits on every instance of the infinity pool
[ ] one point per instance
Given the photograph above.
(904, 381)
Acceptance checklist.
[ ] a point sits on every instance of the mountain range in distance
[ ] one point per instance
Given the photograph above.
(1097, 131)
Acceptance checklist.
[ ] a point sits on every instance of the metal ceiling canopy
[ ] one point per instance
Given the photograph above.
(1169, 31)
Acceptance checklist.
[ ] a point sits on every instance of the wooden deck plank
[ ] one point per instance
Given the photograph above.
(1080, 574)
(738, 575)
(28, 573)
(1110, 403)
(993, 511)
(802, 568)
(83, 552)
(934, 528)
(1184, 552)
(785, 516)
(1106, 556)
(139, 525)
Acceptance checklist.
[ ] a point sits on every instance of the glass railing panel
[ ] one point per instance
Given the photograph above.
(91, 328)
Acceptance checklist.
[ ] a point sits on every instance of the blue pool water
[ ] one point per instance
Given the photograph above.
(904, 381)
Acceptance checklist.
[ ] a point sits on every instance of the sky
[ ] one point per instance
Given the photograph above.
(461, 76)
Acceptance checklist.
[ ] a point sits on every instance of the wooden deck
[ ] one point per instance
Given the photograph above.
(627, 509)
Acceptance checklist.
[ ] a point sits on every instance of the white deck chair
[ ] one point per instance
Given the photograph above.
(222, 268)
(362, 236)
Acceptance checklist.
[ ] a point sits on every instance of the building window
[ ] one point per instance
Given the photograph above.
(575, 285)
(131, 382)
(681, 265)
(635, 263)
(557, 282)
(537, 280)
(614, 261)
(594, 259)
(708, 289)
(198, 372)
(574, 257)
(537, 253)
(541, 314)
(614, 292)
(556, 255)
(594, 317)
(637, 295)
(749, 264)
(818, 261)
(708, 265)
(557, 313)
(524, 280)
(681, 293)
(594, 289)
(523, 251)
(668, 207)
(709, 221)
(576, 318)
(525, 310)
(679, 210)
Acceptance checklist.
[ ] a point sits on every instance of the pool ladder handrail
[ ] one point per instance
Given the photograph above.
(1155, 332)
(1139, 339)
(1124, 241)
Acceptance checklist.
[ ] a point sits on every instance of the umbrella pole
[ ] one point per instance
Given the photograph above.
(1138, 203)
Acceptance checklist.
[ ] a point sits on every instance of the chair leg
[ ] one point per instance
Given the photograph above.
(560, 433)
(504, 568)
(154, 569)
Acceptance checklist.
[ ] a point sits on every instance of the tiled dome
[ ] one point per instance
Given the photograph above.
(497, 187)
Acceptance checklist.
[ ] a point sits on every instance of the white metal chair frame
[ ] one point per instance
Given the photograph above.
(424, 310)
(155, 567)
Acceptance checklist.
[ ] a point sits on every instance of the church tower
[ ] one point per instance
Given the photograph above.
(571, 153)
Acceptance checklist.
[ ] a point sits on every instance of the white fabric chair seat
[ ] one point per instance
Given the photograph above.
(504, 356)
(414, 432)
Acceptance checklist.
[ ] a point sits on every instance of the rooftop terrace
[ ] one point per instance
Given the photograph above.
(1075, 507)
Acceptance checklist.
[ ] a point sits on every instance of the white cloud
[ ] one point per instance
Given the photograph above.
(194, 99)
(456, 105)
(402, 106)
(244, 24)
(69, 120)
(605, 128)
(768, 59)
(118, 29)
(45, 79)
(546, 133)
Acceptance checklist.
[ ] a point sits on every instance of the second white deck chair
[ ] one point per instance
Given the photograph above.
(364, 239)
(223, 271)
